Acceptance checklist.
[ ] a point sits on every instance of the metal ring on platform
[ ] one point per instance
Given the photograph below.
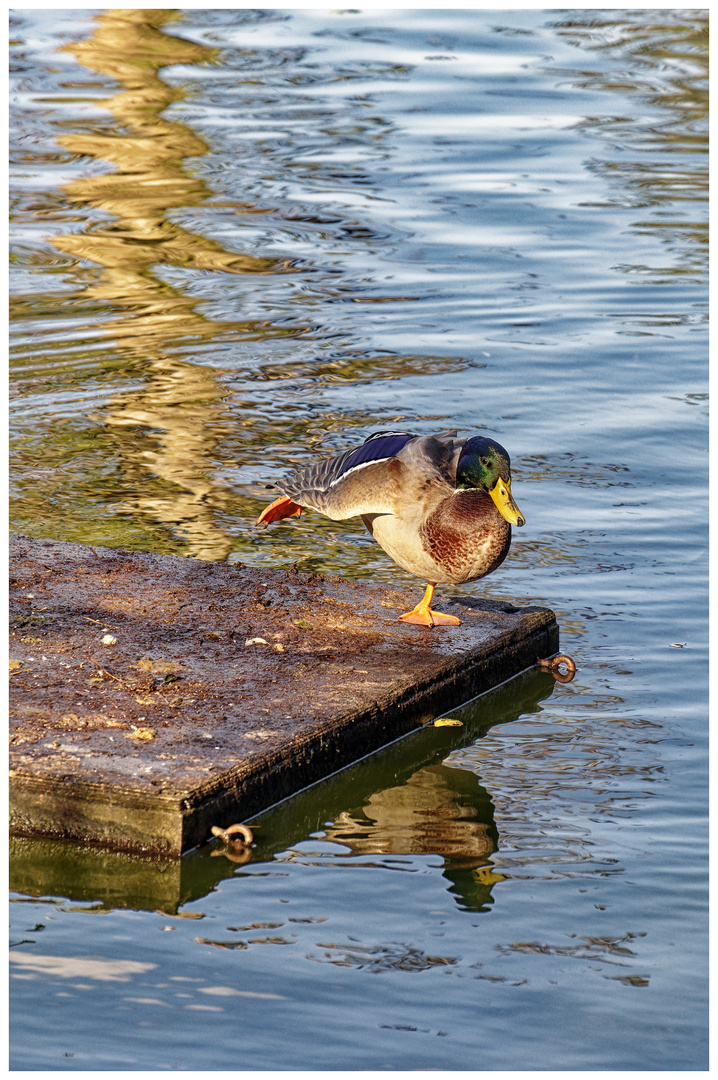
(236, 850)
(227, 834)
(554, 665)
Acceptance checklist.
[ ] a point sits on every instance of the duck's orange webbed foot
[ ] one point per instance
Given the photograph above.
(423, 615)
(283, 507)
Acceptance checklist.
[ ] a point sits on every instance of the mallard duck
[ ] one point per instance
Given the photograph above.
(440, 506)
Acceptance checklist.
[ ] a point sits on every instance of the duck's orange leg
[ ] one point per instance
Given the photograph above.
(423, 614)
(283, 507)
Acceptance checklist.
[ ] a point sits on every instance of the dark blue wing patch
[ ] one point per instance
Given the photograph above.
(378, 447)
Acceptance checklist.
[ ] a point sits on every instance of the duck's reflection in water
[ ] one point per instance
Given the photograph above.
(417, 804)
(436, 811)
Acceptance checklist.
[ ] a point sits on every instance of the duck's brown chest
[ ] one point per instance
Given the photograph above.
(466, 536)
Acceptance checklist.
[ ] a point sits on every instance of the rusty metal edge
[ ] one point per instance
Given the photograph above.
(170, 824)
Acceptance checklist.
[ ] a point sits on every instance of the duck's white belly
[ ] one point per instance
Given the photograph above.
(405, 547)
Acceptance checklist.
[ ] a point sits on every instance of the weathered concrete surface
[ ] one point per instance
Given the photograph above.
(189, 721)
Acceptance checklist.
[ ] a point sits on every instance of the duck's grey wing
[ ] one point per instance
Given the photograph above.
(436, 455)
(381, 476)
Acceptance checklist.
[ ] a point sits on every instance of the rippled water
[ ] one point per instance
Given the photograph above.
(241, 238)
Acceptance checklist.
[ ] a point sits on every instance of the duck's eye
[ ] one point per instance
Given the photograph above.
(484, 461)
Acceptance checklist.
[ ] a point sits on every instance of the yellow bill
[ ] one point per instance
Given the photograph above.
(504, 500)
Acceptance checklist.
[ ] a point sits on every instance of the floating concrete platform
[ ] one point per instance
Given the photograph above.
(153, 697)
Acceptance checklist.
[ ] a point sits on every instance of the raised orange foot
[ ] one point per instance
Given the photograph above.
(283, 507)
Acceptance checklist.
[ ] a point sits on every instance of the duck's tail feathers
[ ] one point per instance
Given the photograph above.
(280, 508)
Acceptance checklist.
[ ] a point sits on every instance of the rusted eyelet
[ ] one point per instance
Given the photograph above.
(554, 664)
(228, 833)
(236, 850)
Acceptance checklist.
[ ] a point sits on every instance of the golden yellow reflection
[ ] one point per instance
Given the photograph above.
(149, 152)
(180, 403)
(183, 404)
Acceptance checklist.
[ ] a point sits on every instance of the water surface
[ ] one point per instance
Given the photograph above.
(244, 238)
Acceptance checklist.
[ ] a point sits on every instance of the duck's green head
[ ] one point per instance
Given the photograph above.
(485, 464)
